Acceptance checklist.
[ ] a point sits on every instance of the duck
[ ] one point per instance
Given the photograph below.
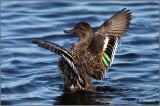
(92, 55)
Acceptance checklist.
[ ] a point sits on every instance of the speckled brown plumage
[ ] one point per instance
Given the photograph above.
(92, 54)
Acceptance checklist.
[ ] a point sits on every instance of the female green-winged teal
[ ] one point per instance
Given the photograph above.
(92, 54)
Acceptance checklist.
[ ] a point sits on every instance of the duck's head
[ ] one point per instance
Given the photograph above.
(83, 30)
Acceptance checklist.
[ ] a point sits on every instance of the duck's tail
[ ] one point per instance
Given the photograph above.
(62, 53)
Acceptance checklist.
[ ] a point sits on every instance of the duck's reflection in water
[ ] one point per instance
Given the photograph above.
(85, 98)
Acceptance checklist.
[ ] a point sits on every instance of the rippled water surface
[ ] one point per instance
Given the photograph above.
(29, 74)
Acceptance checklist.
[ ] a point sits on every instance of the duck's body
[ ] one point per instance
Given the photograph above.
(92, 54)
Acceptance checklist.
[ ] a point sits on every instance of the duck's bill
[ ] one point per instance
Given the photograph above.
(69, 31)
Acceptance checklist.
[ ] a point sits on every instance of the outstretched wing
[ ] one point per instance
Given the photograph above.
(116, 26)
(63, 54)
(104, 41)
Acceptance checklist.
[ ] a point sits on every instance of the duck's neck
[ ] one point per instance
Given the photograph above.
(84, 42)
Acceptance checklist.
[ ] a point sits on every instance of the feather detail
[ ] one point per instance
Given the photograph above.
(62, 53)
(105, 62)
(73, 65)
(110, 49)
(107, 57)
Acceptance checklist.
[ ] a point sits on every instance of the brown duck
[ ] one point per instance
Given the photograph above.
(92, 54)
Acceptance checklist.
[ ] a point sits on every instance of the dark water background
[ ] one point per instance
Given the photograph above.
(29, 74)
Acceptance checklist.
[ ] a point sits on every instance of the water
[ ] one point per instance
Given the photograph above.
(29, 74)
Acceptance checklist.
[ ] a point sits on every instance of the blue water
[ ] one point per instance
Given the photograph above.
(29, 74)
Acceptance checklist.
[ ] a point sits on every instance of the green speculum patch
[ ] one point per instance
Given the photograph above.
(106, 56)
(104, 60)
